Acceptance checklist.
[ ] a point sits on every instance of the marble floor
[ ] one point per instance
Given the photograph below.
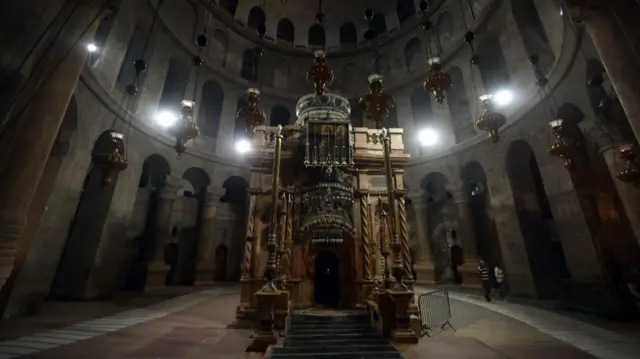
(192, 324)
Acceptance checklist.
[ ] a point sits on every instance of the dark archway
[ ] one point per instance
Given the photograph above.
(327, 287)
(134, 51)
(348, 34)
(379, 24)
(81, 247)
(249, 70)
(175, 85)
(210, 111)
(534, 36)
(104, 29)
(485, 231)
(230, 6)
(317, 36)
(493, 65)
(220, 272)
(236, 188)
(440, 210)
(286, 31)
(279, 116)
(405, 9)
(459, 107)
(257, 17)
(544, 251)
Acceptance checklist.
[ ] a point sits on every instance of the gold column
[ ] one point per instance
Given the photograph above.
(394, 239)
(404, 235)
(285, 264)
(365, 201)
(284, 212)
(249, 238)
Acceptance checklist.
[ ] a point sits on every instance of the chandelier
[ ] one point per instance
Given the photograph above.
(437, 81)
(320, 74)
(185, 130)
(109, 158)
(490, 121)
(563, 147)
(377, 103)
(630, 172)
(252, 115)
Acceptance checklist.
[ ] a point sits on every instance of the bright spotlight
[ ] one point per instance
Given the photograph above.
(503, 98)
(428, 137)
(92, 47)
(243, 146)
(166, 118)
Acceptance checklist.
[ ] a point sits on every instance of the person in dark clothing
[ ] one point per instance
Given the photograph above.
(485, 279)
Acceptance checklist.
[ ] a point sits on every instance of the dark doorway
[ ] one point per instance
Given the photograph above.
(220, 273)
(327, 279)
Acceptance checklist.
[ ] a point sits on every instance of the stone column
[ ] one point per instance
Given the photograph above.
(442, 116)
(425, 270)
(226, 129)
(466, 237)
(38, 113)
(205, 267)
(615, 52)
(156, 267)
(407, 122)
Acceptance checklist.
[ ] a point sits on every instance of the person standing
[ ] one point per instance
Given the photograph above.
(485, 279)
(500, 284)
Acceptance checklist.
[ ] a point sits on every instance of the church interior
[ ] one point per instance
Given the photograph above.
(319, 178)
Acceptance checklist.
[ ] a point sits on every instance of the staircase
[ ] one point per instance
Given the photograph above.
(334, 335)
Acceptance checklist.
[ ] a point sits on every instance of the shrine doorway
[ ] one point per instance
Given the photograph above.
(327, 289)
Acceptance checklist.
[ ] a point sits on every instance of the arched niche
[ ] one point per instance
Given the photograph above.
(545, 254)
(286, 31)
(348, 34)
(414, 54)
(487, 243)
(493, 65)
(209, 114)
(175, 85)
(199, 180)
(405, 9)
(249, 70)
(236, 190)
(444, 29)
(256, 18)
(81, 247)
(282, 76)
(280, 115)
(317, 36)
(459, 107)
(229, 5)
(127, 72)
(379, 23)
(105, 25)
(155, 168)
(218, 48)
(534, 37)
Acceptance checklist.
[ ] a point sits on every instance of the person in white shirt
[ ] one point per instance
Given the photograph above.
(500, 285)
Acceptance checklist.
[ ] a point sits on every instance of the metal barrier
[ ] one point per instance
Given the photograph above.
(435, 311)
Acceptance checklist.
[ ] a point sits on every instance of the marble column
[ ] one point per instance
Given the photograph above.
(466, 237)
(156, 267)
(205, 266)
(425, 270)
(38, 113)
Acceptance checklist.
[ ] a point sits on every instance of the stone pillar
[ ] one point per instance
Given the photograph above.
(442, 116)
(205, 267)
(425, 270)
(156, 267)
(38, 113)
(407, 122)
(466, 237)
(616, 54)
(226, 129)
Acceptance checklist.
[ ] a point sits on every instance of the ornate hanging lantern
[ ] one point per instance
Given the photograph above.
(252, 115)
(320, 74)
(630, 172)
(185, 129)
(563, 147)
(109, 157)
(490, 121)
(437, 81)
(377, 103)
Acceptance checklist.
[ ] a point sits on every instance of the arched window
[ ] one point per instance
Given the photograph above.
(282, 76)
(218, 50)
(134, 51)
(379, 23)
(230, 5)
(286, 31)
(279, 116)
(211, 102)
(249, 69)
(534, 37)
(444, 29)
(175, 84)
(459, 107)
(104, 28)
(414, 54)
(256, 18)
(348, 34)
(493, 65)
(317, 36)
(405, 9)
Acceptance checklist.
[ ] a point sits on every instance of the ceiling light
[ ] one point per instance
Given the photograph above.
(243, 146)
(166, 118)
(503, 98)
(92, 47)
(428, 137)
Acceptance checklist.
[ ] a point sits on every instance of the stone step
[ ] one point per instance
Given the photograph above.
(333, 349)
(361, 355)
(333, 342)
(314, 337)
(329, 330)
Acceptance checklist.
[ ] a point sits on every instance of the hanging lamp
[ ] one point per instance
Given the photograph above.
(563, 146)
(252, 115)
(490, 120)
(320, 75)
(110, 157)
(437, 81)
(630, 172)
(377, 103)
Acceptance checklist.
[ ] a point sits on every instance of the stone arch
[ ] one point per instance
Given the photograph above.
(493, 64)
(444, 29)
(280, 115)
(104, 29)
(229, 5)
(154, 170)
(379, 23)
(210, 111)
(405, 9)
(127, 72)
(256, 18)
(414, 54)
(459, 106)
(532, 32)
(317, 36)
(236, 190)
(249, 70)
(199, 180)
(175, 85)
(487, 241)
(218, 50)
(286, 31)
(348, 34)
(79, 254)
(544, 251)
(282, 76)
